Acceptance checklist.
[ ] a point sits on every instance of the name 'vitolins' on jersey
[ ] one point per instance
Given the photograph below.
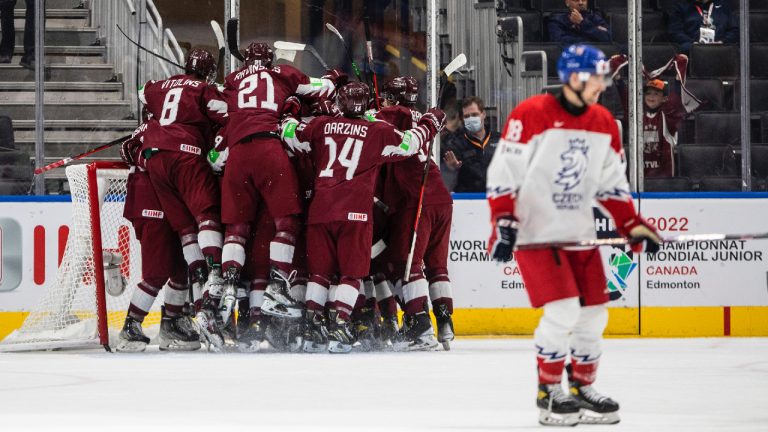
(551, 166)
(185, 107)
(346, 154)
(256, 94)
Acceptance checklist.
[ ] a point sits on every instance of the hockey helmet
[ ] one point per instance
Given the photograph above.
(584, 60)
(201, 64)
(394, 90)
(411, 90)
(352, 99)
(259, 53)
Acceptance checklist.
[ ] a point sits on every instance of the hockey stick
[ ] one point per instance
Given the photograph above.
(620, 241)
(459, 61)
(234, 49)
(86, 153)
(219, 41)
(369, 55)
(355, 69)
(293, 46)
(151, 52)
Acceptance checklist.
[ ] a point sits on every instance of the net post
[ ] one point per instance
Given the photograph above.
(98, 258)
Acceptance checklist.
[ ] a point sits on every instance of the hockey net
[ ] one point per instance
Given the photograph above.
(99, 270)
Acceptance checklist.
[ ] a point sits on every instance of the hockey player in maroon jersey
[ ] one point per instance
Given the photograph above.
(185, 107)
(402, 188)
(161, 257)
(557, 156)
(347, 153)
(259, 171)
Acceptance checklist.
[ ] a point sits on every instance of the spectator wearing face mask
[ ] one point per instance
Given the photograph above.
(470, 149)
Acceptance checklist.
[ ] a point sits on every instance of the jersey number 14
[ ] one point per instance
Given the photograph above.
(347, 160)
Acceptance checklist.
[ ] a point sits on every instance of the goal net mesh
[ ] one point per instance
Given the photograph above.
(82, 308)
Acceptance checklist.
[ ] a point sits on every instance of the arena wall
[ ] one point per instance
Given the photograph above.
(688, 289)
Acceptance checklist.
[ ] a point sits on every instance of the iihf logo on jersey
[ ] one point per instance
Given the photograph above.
(571, 174)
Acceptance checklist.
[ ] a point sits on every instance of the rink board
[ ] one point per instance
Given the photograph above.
(704, 289)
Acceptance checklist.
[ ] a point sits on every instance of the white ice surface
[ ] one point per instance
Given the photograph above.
(481, 384)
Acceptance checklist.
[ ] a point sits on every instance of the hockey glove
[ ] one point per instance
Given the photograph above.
(292, 107)
(325, 107)
(337, 76)
(128, 150)
(643, 237)
(502, 241)
(434, 119)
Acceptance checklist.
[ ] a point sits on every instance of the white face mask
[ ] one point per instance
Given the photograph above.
(473, 124)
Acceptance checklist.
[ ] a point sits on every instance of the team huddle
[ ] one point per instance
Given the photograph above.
(286, 205)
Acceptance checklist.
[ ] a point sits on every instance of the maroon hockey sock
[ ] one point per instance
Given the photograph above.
(175, 296)
(388, 307)
(143, 297)
(448, 302)
(211, 239)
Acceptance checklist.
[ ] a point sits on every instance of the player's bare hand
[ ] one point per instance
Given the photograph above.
(451, 161)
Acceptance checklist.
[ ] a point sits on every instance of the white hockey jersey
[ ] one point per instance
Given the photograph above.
(551, 166)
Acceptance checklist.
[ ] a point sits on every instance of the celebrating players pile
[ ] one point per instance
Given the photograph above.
(289, 209)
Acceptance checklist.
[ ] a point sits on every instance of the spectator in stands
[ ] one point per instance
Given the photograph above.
(663, 111)
(9, 33)
(702, 21)
(470, 149)
(578, 25)
(452, 127)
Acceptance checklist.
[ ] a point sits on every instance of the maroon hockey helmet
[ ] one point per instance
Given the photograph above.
(352, 99)
(411, 91)
(394, 90)
(259, 53)
(201, 64)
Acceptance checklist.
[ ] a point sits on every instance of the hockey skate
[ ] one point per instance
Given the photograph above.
(277, 298)
(367, 329)
(132, 337)
(387, 332)
(444, 326)
(315, 333)
(596, 408)
(214, 285)
(209, 328)
(416, 335)
(557, 408)
(250, 339)
(340, 335)
(176, 336)
(229, 298)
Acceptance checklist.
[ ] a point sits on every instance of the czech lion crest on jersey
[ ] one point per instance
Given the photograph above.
(574, 164)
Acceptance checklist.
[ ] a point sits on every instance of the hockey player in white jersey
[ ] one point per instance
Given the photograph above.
(559, 154)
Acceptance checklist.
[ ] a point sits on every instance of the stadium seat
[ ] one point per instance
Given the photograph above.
(712, 93)
(553, 51)
(758, 60)
(513, 5)
(720, 184)
(758, 23)
(718, 128)
(760, 161)
(764, 128)
(548, 5)
(667, 184)
(657, 55)
(621, 5)
(714, 61)
(654, 29)
(611, 100)
(532, 25)
(758, 91)
(697, 161)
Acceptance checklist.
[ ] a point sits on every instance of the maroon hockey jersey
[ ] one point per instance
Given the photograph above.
(346, 154)
(184, 108)
(255, 96)
(402, 180)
